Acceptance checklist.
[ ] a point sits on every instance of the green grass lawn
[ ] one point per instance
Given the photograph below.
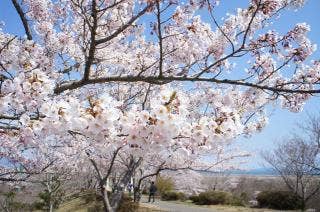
(79, 205)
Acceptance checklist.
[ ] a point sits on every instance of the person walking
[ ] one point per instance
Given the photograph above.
(152, 191)
(130, 186)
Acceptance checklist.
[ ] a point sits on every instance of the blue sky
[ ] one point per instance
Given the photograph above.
(282, 121)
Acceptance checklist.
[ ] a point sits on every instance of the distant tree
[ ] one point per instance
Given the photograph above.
(217, 181)
(311, 129)
(296, 160)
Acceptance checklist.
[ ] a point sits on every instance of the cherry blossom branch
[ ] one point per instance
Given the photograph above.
(276, 70)
(146, 97)
(7, 43)
(116, 3)
(210, 8)
(125, 26)
(114, 155)
(250, 23)
(93, 162)
(234, 52)
(27, 174)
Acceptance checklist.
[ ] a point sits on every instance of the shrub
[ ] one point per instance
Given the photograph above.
(91, 197)
(127, 204)
(214, 198)
(95, 208)
(194, 198)
(172, 195)
(37, 205)
(182, 196)
(46, 198)
(280, 200)
(236, 201)
(9, 203)
(244, 197)
(217, 197)
(164, 184)
(239, 200)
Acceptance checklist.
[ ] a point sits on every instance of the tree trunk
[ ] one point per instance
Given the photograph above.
(118, 194)
(51, 207)
(137, 191)
(119, 190)
(303, 204)
(49, 188)
(136, 194)
(105, 199)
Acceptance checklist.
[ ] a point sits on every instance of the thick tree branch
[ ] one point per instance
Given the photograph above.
(160, 39)
(23, 19)
(164, 80)
(92, 48)
(114, 156)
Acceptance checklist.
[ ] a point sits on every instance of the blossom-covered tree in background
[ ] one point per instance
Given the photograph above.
(97, 80)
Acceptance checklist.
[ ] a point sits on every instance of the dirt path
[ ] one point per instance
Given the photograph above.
(161, 206)
(175, 207)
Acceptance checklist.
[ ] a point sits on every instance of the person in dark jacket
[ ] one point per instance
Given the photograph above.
(152, 191)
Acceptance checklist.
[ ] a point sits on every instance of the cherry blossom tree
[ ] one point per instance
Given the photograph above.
(95, 79)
